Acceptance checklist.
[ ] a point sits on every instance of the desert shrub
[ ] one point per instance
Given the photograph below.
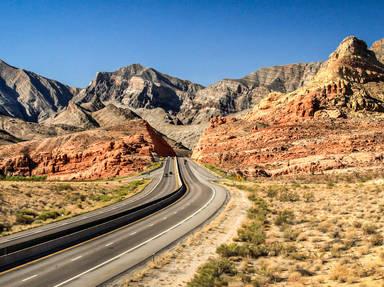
(232, 249)
(291, 234)
(340, 273)
(210, 274)
(256, 251)
(376, 240)
(63, 187)
(289, 196)
(285, 217)
(53, 214)
(26, 216)
(370, 228)
(252, 233)
(309, 196)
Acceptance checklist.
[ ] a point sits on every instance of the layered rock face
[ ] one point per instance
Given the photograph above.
(332, 122)
(181, 109)
(28, 96)
(378, 48)
(236, 95)
(137, 87)
(104, 152)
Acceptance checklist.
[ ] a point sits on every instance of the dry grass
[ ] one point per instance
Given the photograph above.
(27, 204)
(327, 233)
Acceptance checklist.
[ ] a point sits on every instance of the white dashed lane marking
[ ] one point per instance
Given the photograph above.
(29, 278)
(76, 258)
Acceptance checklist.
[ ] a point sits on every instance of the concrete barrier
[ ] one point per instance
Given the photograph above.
(26, 251)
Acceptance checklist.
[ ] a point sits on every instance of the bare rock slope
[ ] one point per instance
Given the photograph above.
(333, 122)
(378, 48)
(28, 96)
(97, 153)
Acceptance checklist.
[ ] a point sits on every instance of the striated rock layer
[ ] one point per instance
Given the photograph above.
(104, 152)
(332, 122)
(28, 96)
(378, 48)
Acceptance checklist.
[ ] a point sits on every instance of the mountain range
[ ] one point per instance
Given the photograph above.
(270, 102)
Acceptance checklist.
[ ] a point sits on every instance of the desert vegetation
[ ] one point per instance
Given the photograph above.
(28, 202)
(309, 231)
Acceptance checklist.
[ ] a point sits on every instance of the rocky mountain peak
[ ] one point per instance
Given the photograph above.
(348, 84)
(351, 61)
(378, 48)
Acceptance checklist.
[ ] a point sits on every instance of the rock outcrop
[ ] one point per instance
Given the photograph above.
(28, 96)
(98, 153)
(332, 122)
(136, 86)
(236, 95)
(378, 48)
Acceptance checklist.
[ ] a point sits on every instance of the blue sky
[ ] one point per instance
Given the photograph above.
(203, 41)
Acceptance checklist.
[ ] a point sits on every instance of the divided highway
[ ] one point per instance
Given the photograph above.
(103, 258)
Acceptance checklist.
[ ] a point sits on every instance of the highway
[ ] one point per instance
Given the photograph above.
(99, 260)
(158, 187)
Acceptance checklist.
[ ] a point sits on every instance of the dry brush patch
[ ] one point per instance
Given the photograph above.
(29, 203)
(316, 231)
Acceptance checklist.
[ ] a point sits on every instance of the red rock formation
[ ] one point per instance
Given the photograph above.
(97, 153)
(334, 122)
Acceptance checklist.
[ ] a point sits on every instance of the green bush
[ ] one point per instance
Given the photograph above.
(24, 178)
(53, 214)
(232, 249)
(26, 216)
(210, 274)
(252, 233)
(285, 217)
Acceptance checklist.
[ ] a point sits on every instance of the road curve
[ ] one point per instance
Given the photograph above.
(96, 261)
(159, 187)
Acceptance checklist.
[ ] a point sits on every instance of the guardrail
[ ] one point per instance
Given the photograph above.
(26, 251)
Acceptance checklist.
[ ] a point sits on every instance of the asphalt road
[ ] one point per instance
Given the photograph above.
(101, 259)
(159, 187)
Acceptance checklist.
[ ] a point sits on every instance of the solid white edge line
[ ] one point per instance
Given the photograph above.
(143, 243)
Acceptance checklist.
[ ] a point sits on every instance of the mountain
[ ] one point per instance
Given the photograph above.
(333, 122)
(378, 48)
(28, 96)
(97, 153)
(236, 95)
(136, 86)
(72, 115)
(181, 109)
(111, 115)
(24, 131)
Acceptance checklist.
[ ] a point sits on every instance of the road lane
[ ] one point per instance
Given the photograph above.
(97, 260)
(158, 188)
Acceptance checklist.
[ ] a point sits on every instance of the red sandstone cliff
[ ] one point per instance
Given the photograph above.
(333, 122)
(108, 152)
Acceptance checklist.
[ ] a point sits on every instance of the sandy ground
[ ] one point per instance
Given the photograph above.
(177, 266)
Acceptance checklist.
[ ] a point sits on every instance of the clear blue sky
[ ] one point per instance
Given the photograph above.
(203, 41)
